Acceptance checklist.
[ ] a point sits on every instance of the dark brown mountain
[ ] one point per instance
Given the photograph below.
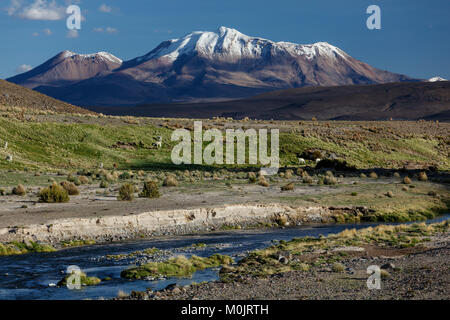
(12, 95)
(399, 101)
(212, 66)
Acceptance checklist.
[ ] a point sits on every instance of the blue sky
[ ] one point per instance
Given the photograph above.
(413, 40)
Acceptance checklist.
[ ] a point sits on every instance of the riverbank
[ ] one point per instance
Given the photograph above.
(415, 266)
(96, 216)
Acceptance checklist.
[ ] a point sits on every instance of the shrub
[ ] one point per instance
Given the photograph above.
(2, 192)
(423, 176)
(406, 180)
(263, 182)
(84, 180)
(389, 194)
(396, 174)
(19, 190)
(126, 192)
(432, 193)
(150, 190)
(104, 184)
(354, 194)
(307, 179)
(339, 165)
(73, 179)
(126, 175)
(170, 181)
(338, 267)
(404, 188)
(53, 194)
(251, 177)
(288, 187)
(373, 175)
(362, 176)
(329, 180)
(288, 174)
(299, 171)
(70, 187)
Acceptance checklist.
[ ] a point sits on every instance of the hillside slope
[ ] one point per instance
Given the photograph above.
(399, 101)
(12, 95)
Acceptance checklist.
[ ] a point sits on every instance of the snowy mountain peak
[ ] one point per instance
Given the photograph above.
(434, 79)
(102, 55)
(228, 44)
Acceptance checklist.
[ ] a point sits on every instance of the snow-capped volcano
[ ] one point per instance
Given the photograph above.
(68, 67)
(223, 64)
(434, 79)
(228, 44)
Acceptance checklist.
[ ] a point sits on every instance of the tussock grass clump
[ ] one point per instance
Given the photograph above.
(373, 175)
(126, 192)
(73, 179)
(389, 194)
(19, 190)
(170, 181)
(396, 174)
(53, 194)
(362, 176)
(338, 267)
(251, 177)
(299, 171)
(2, 192)
(126, 175)
(70, 187)
(288, 174)
(84, 179)
(423, 176)
(307, 179)
(15, 248)
(84, 280)
(263, 182)
(329, 180)
(104, 184)
(406, 180)
(288, 187)
(178, 266)
(150, 190)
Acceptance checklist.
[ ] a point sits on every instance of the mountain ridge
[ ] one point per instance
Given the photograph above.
(203, 65)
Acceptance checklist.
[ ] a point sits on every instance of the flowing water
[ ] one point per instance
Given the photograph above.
(29, 276)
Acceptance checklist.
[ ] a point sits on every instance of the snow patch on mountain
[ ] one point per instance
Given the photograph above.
(434, 79)
(102, 55)
(230, 45)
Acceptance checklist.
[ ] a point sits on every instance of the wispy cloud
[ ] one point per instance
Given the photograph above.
(105, 8)
(47, 10)
(109, 30)
(23, 68)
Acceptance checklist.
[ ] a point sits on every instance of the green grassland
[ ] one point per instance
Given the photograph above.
(56, 145)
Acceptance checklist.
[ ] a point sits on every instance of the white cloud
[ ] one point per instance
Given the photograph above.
(38, 10)
(104, 8)
(111, 30)
(23, 68)
(72, 34)
(35, 34)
